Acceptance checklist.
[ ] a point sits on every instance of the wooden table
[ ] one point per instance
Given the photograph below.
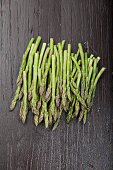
(73, 147)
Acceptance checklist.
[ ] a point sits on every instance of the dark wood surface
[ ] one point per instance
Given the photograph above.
(73, 147)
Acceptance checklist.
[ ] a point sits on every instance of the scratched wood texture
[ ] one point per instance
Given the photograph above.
(73, 147)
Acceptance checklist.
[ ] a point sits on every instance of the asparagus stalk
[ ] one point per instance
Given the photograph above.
(64, 80)
(26, 69)
(61, 65)
(48, 93)
(59, 103)
(79, 98)
(44, 79)
(92, 93)
(75, 77)
(68, 72)
(58, 97)
(70, 112)
(24, 104)
(19, 79)
(31, 62)
(45, 113)
(82, 80)
(77, 104)
(76, 64)
(77, 54)
(52, 104)
(41, 54)
(45, 59)
(39, 78)
(27, 66)
(20, 94)
(44, 104)
(53, 83)
(83, 70)
(31, 58)
(71, 63)
(41, 105)
(23, 65)
(41, 116)
(94, 86)
(75, 72)
(16, 96)
(88, 81)
(58, 60)
(51, 45)
(36, 119)
(63, 43)
(35, 76)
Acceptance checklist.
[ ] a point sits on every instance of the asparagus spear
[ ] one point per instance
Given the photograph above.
(64, 80)
(71, 63)
(31, 62)
(26, 69)
(44, 79)
(19, 79)
(77, 104)
(39, 115)
(53, 80)
(13, 103)
(59, 113)
(63, 43)
(94, 86)
(76, 64)
(75, 77)
(41, 54)
(20, 94)
(70, 112)
(68, 72)
(88, 81)
(61, 65)
(51, 45)
(27, 66)
(74, 72)
(45, 113)
(35, 76)
(58, 120)
(79, 98)
(82, 80)
(77, 54)
(58, 102)
(48, 93)
(58, 97)
(44, 104)
(92, 93)
(24, 104)
(23, 65)
(83, 70)
(58, 60)
(36, 119)
(45, 59)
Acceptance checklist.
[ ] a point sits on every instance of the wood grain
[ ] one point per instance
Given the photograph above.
(73, 147)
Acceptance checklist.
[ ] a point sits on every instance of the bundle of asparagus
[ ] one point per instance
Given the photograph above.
(54, 80)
